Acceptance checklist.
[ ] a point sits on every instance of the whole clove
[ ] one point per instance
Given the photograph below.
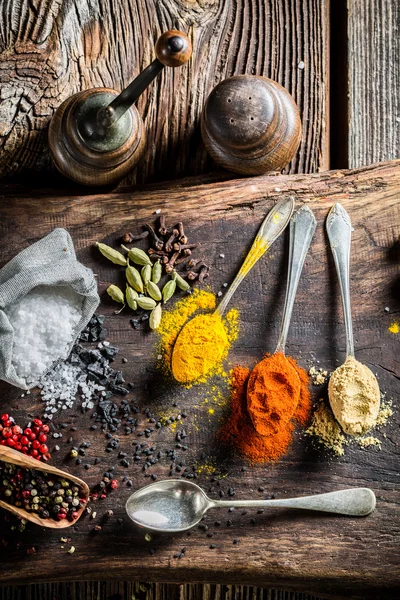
(157, 253)
(182, 237)
(169, 267)
(203, 274)
(156, 241)
(182, 258)
(129, 237)
(162, 228)
(192, 275)
(171, 239)
(192, 264)
(180, 247)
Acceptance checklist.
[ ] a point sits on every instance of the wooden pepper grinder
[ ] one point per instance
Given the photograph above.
(251, 125)
(97, 136)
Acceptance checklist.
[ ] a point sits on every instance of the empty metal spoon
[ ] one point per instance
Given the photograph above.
(175, 505)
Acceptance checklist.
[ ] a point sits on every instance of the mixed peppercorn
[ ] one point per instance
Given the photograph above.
(50, 496)
(30, 441)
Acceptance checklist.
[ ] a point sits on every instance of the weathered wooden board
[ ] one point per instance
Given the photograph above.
(329, 555)
(125, 590)
(374, 81)
(49, 50)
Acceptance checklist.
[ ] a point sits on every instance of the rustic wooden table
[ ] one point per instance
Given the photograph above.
(325, 554)
(339, 60)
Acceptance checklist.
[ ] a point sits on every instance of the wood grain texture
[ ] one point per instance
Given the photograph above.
(374, 80)
(323, 554)
(126, 590)
(50, 50)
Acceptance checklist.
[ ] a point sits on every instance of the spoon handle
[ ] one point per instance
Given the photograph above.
(302, 229)
(357, 502)
(338, 227)
(273, 225)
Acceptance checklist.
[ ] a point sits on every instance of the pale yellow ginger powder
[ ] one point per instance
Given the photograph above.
(354, 397)
(327, 430)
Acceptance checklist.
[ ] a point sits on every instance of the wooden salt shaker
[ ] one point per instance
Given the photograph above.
(97, 136)
(251, 125)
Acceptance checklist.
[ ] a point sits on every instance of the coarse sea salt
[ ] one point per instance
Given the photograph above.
(61, 385)
(44, 322)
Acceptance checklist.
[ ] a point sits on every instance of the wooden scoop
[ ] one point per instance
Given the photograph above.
(17, 458)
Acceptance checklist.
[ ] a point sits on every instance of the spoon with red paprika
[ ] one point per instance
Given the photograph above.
(274, 386)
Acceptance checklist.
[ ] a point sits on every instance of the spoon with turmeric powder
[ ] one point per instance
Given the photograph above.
(203, 343)
(274, 386)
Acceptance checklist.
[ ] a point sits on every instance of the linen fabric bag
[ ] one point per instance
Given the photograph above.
(49, 262)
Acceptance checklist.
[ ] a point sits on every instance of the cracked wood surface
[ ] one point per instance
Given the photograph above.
(51, 49)
(311, 552)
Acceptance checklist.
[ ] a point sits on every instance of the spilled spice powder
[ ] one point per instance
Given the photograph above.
(239, 431)
(328, 433)
(327, 430)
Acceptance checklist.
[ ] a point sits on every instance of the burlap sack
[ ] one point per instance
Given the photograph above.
(52, 262)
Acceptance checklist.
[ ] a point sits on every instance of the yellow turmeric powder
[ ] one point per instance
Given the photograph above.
(201, 345)
(198, 352)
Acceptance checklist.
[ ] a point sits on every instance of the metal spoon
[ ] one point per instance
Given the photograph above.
(338, 227)
(175, 505)
(272, 227)
(302, 228)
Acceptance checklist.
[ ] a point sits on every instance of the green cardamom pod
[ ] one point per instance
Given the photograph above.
(116, 257)
(169, 290)
(155, 317)
(154, 291)
(146, 303)
(134, 279)
(138, 256)
(180, 282)
(116, 294)
(146, 274)
(131, 296)
(157, 272)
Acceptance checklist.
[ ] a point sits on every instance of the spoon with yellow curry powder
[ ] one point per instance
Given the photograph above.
(353, 390)
(273, 389)
(203, 343)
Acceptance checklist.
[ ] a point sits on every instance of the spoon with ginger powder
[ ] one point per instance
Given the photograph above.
(275, 378)
(202, 343)
(353, 390)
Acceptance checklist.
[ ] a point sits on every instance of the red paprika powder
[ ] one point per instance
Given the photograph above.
(277, 395)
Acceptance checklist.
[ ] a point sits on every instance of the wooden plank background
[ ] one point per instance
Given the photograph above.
(374, 81)
(127, 590)
(51, 49)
